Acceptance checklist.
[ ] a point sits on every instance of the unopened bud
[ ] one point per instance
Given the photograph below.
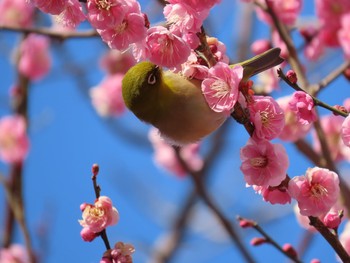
(83, 206)
(333, 219)
(87, 235)
(292, 76)
(289, 249)
(95, 169)
(257, 241)
(245, 223)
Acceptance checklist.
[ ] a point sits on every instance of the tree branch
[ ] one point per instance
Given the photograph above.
(62, 35)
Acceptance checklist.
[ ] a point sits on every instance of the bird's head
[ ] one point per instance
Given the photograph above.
(140, 88)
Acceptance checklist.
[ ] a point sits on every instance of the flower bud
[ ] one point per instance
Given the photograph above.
(245, 223)
(257, 241)
(87, 235)
(333, 219)
(95, 169)
(289, 249)
(292, 76)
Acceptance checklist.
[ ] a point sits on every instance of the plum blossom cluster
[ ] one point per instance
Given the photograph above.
(96, 218)
(121, 24)
(332, 29)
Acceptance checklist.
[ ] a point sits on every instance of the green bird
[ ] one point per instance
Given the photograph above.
(175, 104)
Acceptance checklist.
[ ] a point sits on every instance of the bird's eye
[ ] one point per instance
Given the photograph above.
(152, 79)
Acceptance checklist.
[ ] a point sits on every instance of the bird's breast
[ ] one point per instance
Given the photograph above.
(183, 114)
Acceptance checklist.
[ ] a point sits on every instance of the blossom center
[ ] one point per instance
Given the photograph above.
(259, 162)
(221, 88)
(318, 190)
(264, 115)
(104, 4)
(8, 142)
(121, 27)
(96, 212)
(336, 8)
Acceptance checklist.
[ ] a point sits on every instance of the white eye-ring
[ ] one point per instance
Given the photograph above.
(151, 79)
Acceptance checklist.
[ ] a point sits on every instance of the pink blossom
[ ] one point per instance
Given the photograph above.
(344, 237)
(106, 13)
(72, 15)
(35, 60)
(197, 4)
(15, 253)
(191, 39)
(221, 88)
(330, 12)
(302, 104)
(274, 195)
(107, 96)
(131, 30)
(293, 129)
(165, 48)
(16, 13)
(344, 34)
(316, 192)
(183, 18)
(192, 69)
(218, 49)
(286, 10)
(263, 163)
(100, 215)
(121, 253)
(115, 61)
(259, 46)
(87, 235)
(14, 142)
(53, 7)
(140, 50)
(302, 220)
(165, 156)
(267, 117)
(332, 127)
(345, 131)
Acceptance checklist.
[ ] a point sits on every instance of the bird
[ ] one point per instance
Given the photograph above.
(175, 104)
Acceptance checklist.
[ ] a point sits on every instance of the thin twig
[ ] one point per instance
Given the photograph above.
(310, 153)
(62, 35)
(316, 88)
(331, 238)
(270, 240)
(317, 102)
(201, 191)
(97, 190)
(283, 32)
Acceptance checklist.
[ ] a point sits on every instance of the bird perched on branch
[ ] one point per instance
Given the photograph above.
(175, 104)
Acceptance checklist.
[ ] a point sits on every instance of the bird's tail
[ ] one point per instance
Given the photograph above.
(261, 62)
